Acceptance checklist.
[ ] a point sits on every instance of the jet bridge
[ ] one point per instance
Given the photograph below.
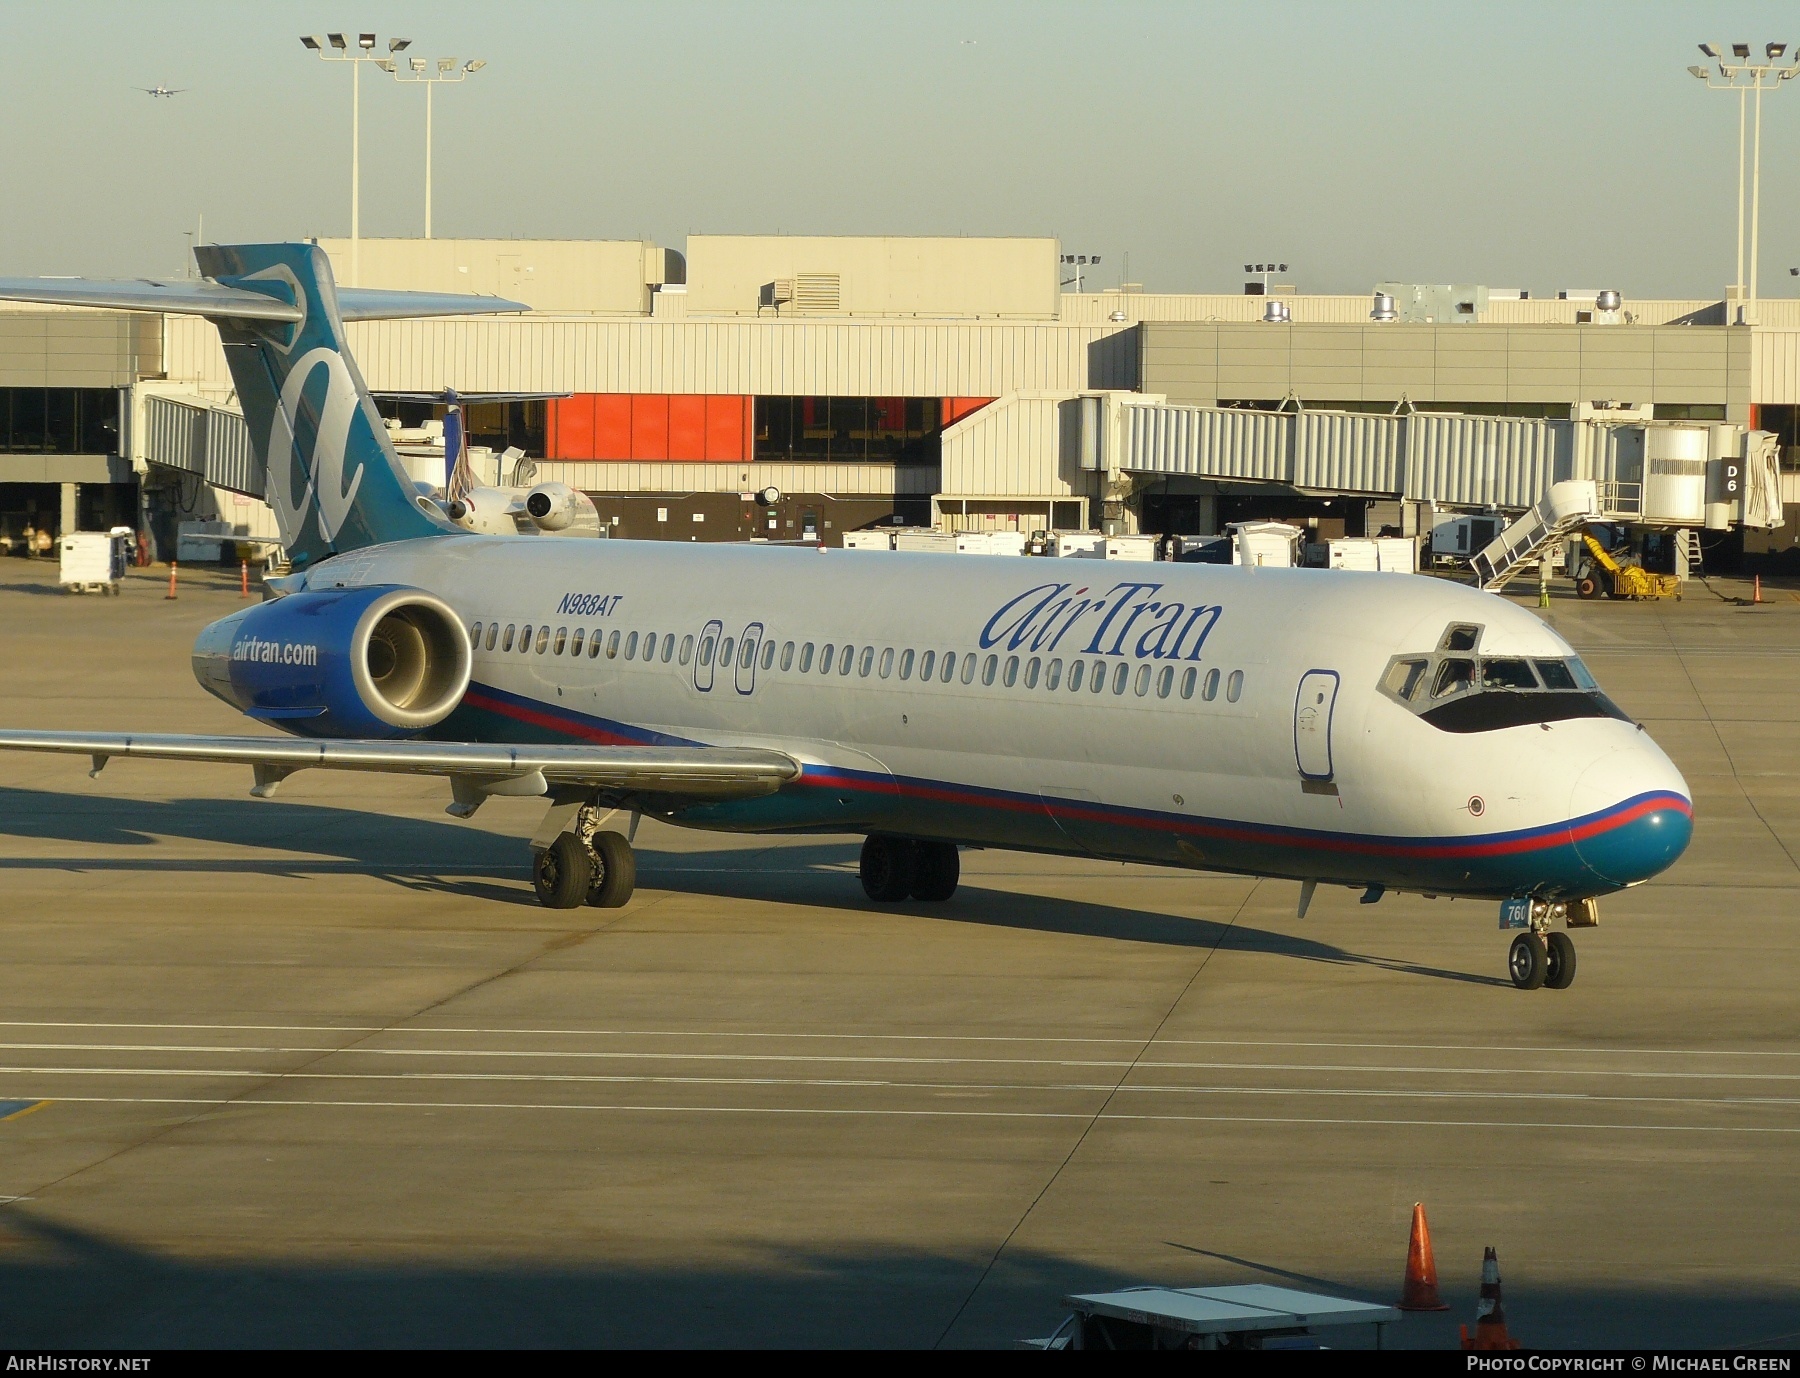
(1647, 472)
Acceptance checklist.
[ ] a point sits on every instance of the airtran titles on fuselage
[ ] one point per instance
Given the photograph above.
(1126, 620)
(589, 604)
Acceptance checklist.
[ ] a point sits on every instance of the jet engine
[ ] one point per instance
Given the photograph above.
(558, 510)
(383, 661)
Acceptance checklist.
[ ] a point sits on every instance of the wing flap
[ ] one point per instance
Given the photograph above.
(690, 772)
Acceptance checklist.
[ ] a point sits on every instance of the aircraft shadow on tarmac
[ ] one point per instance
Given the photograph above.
(65, 1287)
(452, 858)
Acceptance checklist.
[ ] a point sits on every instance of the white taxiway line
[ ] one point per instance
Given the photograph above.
(825, 1112)
(595, 1079)
(907, 1038)
(853, 1059)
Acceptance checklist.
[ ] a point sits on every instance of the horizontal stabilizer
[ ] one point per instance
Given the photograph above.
(203, 298)
(695, 772)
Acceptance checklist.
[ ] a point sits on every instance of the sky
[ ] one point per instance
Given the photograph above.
(1524, 144)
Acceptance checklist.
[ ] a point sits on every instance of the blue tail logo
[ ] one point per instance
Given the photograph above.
(333, 479)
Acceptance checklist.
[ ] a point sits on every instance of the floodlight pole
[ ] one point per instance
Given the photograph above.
(1744, 76)
(448, 70)
(363, 52)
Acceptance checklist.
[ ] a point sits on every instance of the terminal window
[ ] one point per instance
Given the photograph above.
(59, 421)
(891, 430)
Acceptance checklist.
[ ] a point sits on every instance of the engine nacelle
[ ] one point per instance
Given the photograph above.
(490, 511)
(558, 510)
(383, 661)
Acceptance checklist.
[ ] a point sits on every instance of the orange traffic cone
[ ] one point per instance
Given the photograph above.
(1419, 1291)
(171, 593)
(1490, 1316)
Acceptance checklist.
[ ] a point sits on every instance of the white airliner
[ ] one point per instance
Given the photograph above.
(1385, 732)
(160, 90)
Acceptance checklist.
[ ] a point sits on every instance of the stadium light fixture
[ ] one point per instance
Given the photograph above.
(419, 72)
(1746, 78)
(341, 52)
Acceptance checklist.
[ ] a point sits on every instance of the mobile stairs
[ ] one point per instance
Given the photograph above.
(1564, 510)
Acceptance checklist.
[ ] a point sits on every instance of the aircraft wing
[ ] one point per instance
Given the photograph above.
(687, 773)
(200, 297)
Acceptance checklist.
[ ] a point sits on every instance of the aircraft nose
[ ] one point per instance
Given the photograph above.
(1630, 814)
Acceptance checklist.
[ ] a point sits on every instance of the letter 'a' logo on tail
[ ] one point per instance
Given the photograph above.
(333, 479)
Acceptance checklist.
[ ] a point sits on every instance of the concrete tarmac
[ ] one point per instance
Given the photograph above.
(319, 1071)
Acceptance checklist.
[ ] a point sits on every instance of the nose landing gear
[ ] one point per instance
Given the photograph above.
(1541, 958)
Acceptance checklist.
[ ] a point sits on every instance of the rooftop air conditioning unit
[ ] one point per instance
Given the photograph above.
(775, 294)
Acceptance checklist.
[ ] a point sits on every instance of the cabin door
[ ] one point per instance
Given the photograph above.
(1313, 706)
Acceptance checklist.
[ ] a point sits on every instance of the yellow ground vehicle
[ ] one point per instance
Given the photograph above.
(1607, 574)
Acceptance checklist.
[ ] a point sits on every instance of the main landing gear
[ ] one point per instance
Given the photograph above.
(585, 866)
(1540, 958)
(901, 868)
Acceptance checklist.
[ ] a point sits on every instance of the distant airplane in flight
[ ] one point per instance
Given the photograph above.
(161, 90)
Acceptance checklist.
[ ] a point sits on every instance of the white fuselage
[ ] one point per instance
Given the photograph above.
(1240, 723)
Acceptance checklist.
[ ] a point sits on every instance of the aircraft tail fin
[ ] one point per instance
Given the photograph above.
(333, 479)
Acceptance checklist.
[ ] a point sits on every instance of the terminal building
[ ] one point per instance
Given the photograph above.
(787, 387)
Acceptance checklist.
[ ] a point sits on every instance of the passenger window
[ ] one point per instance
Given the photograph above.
(1403, 677)
(1142, 686)
(1188, 676)
(509, 637)
(669, 649)
(906, 664)
(475, 636)
(649, 646)
(687, 648)
(968, 670)
(594, 643)
(1053, 674)
(846, 655)
(575, 641)
(1011, 677)
(525, 638)
(562, 640)
(1460, 639)
(988, 669)
(631, 646)
(1076, 667)
(1121, 675)
(1453, 677)
(867, 663)
(1507, 674)
(726, 647)
(746, 653)
(1234, 686)
(1165, 681)
(825, 658)
(612, 646)
(1210, 690)
(706, 651)
(1032, 667)
(787, 656)
(1555, 674)
(1097, 679)
(768, 659)
(926, 662)
(494, 631)
(543, 639)
(806, 658)
(887, 663)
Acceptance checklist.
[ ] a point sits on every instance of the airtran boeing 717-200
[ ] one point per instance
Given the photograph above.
(1380, 731)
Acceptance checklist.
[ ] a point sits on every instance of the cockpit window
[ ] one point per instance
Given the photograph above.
(1460, 693)
(1460, 639)
(1555, 674)
(1404, 677)
(1454, 676)
(1507, 674)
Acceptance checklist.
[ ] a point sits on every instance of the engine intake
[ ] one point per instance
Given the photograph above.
(366, 662)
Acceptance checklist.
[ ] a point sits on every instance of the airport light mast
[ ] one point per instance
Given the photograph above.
(336, 48)
(418, 70)
(1739, 73)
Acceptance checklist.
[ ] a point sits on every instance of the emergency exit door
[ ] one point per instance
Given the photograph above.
(1313, 706)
